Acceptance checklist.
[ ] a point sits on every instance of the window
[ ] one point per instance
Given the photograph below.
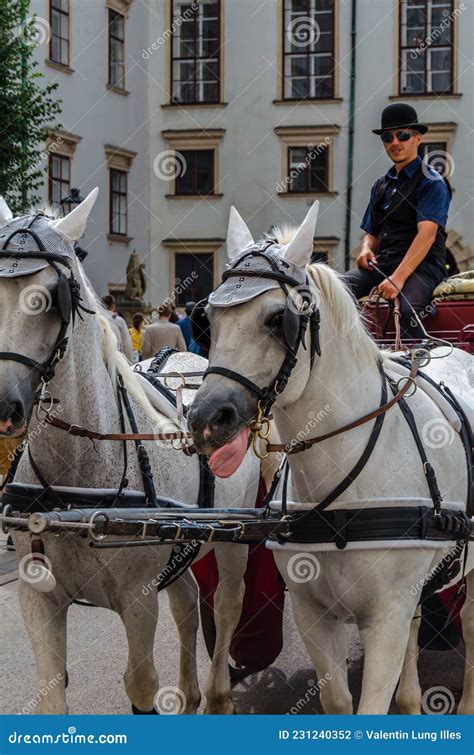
(426, 46)
(308, 49)
(308, 169)
(118, 202)
(59, 23)
(116, 49)
(430, 151)
(196, 175)
(59, 178)
(195, 56)
(194, 276)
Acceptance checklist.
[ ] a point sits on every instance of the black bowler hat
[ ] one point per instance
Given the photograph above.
(400, 115)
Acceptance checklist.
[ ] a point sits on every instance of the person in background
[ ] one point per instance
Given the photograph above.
(162, 334)
(185, 325)
(125, 342)
(136, 334)
(174, 317)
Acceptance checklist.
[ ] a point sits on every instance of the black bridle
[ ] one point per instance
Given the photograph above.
(294, 326)
(67, 299)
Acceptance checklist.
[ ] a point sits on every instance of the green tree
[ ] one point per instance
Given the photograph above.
(27, 105)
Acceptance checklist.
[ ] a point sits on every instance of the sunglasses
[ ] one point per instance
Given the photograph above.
(402, 136)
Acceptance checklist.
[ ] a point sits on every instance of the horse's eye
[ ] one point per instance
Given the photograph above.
(275, 321)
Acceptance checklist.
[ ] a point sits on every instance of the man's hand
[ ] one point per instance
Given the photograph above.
(390, 287)
(365, 257)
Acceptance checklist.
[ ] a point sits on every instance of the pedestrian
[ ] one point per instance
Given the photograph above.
(162, 334)
(185, 325)
(136, 334)
(404, 247)
(125, 342)
(174, 317)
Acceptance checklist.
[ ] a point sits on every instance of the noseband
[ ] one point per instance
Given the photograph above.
(67, 298)
(294, 326)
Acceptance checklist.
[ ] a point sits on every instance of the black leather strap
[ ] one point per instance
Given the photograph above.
(246, 382)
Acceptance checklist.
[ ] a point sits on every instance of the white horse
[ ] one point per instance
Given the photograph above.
(372, 582)
(120, 579)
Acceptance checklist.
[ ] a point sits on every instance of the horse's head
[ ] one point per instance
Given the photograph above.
(38, 297)
(262, 320)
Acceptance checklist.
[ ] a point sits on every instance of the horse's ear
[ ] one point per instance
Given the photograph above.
(5, 212)
(74, 224)
(238, 235)
(299, 249)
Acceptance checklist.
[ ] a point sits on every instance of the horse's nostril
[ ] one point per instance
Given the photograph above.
(17, 411)
(225, 416)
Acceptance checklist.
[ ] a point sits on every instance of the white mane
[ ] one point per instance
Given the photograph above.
(116, 361)
(339, 302)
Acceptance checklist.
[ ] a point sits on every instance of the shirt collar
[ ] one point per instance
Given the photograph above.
(409, 171)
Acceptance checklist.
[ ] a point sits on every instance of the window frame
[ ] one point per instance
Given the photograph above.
(62, 39)
(195, 151)
(307, 171)
(112, 193)
(173, 59)
(61, 181)
(110, 83)
(402, 48)
(284, 55)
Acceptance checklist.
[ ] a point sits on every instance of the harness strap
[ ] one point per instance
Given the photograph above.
(430, 475)
(303, 445)
(246, 382)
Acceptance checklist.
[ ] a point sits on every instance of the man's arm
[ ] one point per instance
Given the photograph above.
(368, 250)
(415, 255)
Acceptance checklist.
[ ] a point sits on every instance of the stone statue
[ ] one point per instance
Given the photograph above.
(136, 283)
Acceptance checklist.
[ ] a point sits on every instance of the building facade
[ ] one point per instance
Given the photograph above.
(91, 48)
(178, 109)
(252, 106)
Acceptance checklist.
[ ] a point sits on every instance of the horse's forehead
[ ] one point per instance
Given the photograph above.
(16, 264)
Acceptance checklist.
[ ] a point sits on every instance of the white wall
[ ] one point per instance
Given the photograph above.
(102, 117)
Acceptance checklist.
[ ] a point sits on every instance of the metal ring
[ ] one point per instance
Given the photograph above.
(92, 521)
(180, 441)
(412, 381)
(255, 450)
(422, 356)
(264, 435)
(167, 377)
(6, 511)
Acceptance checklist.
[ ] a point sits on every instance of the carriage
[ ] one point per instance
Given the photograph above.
(132, 518)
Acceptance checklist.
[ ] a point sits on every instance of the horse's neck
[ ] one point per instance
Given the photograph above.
(339, 390)
(85, 397)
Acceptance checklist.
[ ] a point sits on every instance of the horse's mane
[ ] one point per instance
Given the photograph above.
(340, 304)
(115, 362)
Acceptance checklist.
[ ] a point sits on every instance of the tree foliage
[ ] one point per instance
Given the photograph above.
(27, 105)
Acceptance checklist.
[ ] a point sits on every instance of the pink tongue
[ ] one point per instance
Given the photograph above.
(227, 459)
